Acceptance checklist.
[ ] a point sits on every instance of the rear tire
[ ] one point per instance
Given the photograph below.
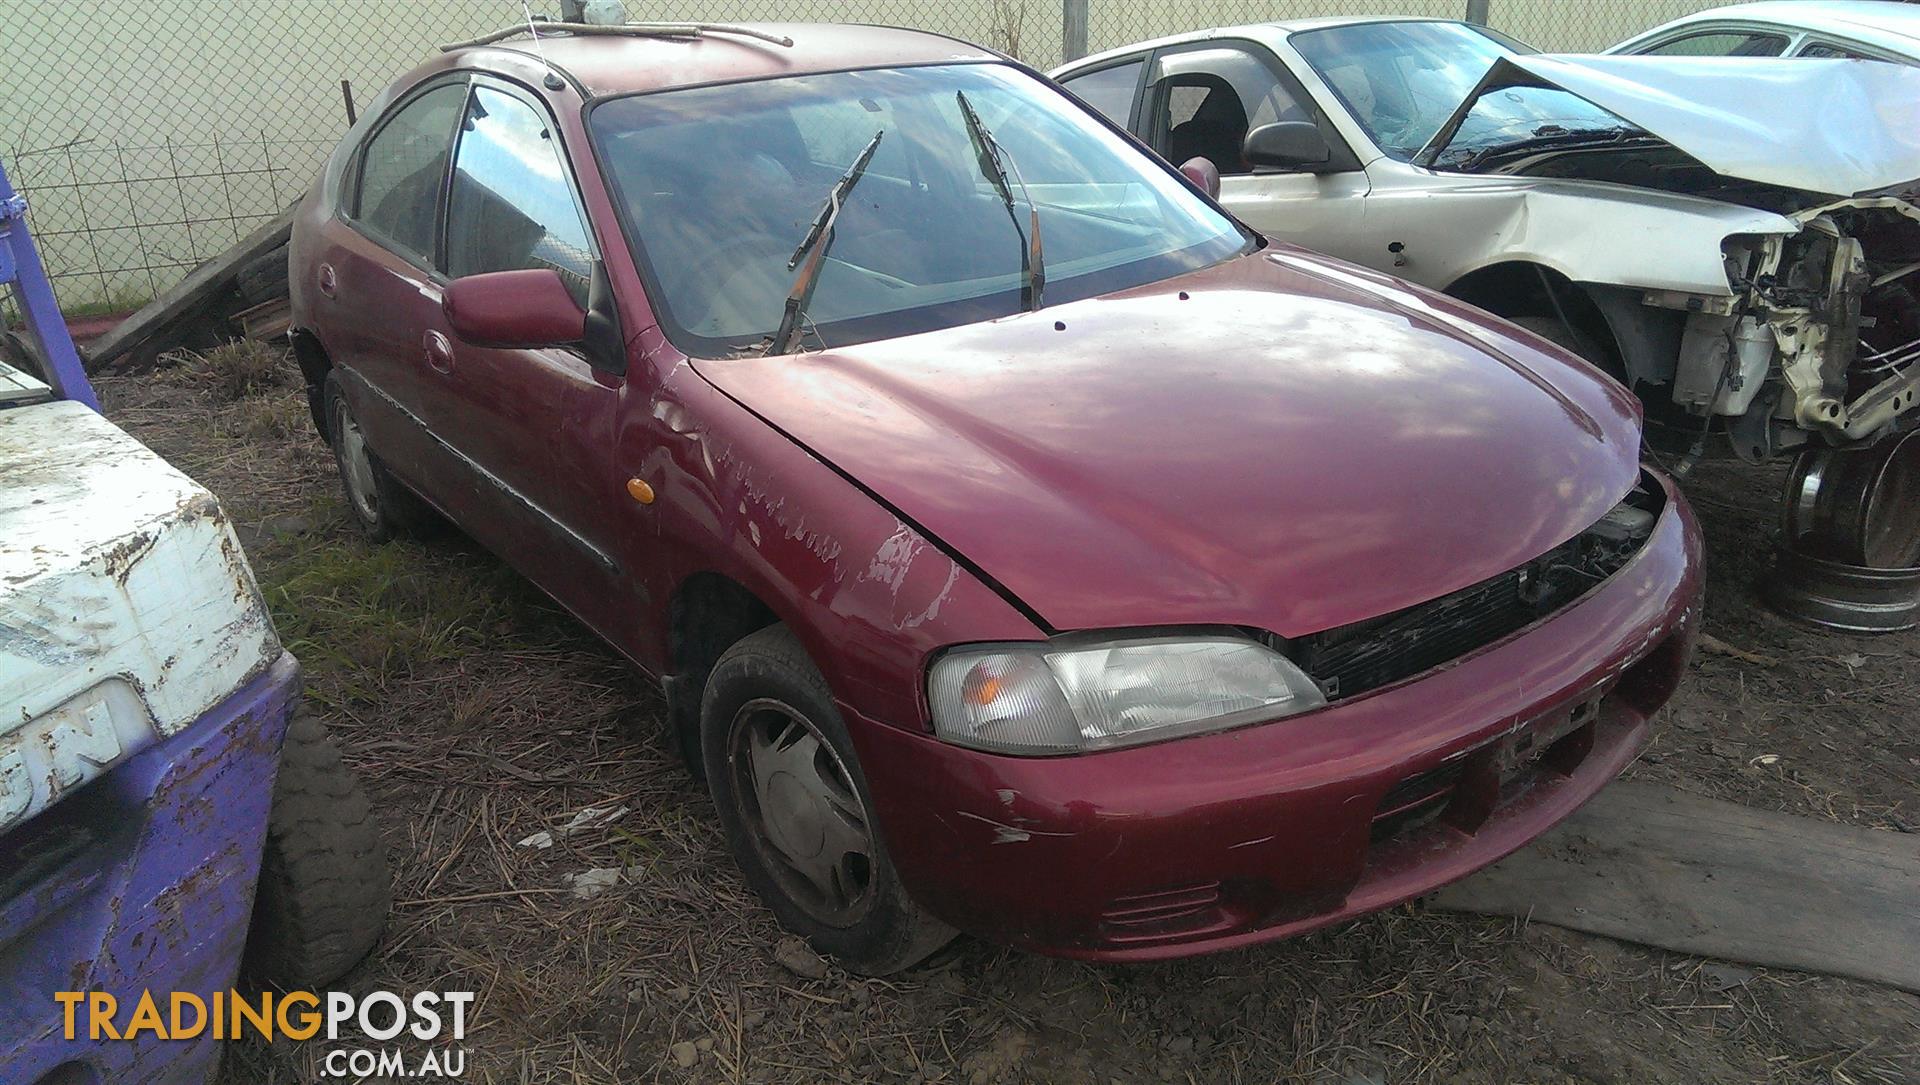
(797, 811)
(381, 504)
(324, 891)
(19, 352)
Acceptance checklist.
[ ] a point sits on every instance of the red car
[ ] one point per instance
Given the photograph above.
(1025, 547)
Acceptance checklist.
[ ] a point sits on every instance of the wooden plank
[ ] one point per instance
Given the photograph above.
(1646, 863)
(267, 320)
(188, 297)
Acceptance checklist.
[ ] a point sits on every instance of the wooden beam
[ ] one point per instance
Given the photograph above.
(189, 297)
(1646, 863)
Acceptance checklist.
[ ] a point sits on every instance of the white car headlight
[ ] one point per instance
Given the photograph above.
(1069, 697)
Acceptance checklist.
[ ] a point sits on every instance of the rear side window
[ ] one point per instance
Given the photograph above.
(511, 206)
(1831, 51)
(402, 168)
(1109, 90)
(1722, 43)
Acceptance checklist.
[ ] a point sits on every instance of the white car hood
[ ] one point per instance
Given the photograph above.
(127, 610)
(1839, 127)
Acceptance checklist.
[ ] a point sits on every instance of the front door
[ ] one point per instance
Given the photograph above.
(535, 427)
(1203, 99)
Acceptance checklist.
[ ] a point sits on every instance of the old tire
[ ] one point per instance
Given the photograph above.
(797, 812)
(19, 352)
(264, 277)
(323, 894)
(381, 504)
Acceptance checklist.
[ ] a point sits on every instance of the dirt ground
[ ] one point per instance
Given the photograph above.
(479, 714)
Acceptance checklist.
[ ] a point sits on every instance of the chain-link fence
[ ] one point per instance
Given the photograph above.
(152, 134)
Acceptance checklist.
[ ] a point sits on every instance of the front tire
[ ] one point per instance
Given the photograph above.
(324, 891)
(797, 812)
(383, 507)
(1573, 341)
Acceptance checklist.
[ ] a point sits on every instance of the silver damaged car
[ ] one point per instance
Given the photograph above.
(1736, 239)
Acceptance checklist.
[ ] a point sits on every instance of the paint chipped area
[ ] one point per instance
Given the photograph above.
(919, 578)
(1008, 825)
(115, 566)
(759, 502)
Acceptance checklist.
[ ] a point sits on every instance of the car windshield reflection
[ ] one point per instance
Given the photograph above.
(716, 183)
(1401, 81)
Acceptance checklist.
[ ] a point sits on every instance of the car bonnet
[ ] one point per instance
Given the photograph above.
(1282, 441)
(1837, 127)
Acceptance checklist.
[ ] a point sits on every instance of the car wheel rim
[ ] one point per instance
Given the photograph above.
(1891, 517)
(356, 466)
(802, 811)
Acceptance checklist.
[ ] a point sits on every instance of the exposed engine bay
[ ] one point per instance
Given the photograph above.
(1821, 337)
(1813, 339)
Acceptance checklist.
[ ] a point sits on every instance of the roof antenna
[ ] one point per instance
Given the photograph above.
(553, 80)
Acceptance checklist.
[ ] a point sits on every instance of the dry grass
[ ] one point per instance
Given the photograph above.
(479, 713)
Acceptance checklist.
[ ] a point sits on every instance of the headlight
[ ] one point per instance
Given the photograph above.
(1068, 697)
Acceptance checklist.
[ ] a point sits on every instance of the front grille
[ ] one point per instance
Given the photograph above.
(1167, 912)
(1415, 800)
(1355, 658)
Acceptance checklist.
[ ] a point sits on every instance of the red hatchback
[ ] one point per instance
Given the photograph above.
(1025, 547)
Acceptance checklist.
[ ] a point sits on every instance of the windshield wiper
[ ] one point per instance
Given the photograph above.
(994, 164)
(819, 238)
(1563, 139)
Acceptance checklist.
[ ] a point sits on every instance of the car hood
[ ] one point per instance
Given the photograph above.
(1282, 441)
(1835, 127)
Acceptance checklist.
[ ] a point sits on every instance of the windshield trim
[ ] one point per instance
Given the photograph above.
(1251, 240)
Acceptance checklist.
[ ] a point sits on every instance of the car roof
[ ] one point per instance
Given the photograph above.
(1880, 22)
(628, 63)
(1268, 31)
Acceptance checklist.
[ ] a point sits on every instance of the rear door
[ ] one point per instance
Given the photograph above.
(378, 290)
(1113, 89)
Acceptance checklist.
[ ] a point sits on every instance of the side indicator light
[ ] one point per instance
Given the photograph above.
(640, 491)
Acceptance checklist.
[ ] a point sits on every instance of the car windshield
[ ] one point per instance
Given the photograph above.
(1402, 80)
(719, 184)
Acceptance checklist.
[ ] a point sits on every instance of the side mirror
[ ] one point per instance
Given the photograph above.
(526, 308)
(1203, 173)
(1289, 145)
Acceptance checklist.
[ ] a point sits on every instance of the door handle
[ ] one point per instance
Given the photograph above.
(329, 282)
(439, 352)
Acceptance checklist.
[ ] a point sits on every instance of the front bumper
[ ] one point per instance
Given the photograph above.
(140, 881)
(1224, 840)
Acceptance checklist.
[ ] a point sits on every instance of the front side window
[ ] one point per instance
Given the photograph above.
(403, 166)
(1401, 81)
(510, 206)
(1721, 43)
(1109, 90)
(1211, 98)
(718, 185)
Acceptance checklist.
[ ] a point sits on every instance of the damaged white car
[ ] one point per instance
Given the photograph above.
(1733, 238)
